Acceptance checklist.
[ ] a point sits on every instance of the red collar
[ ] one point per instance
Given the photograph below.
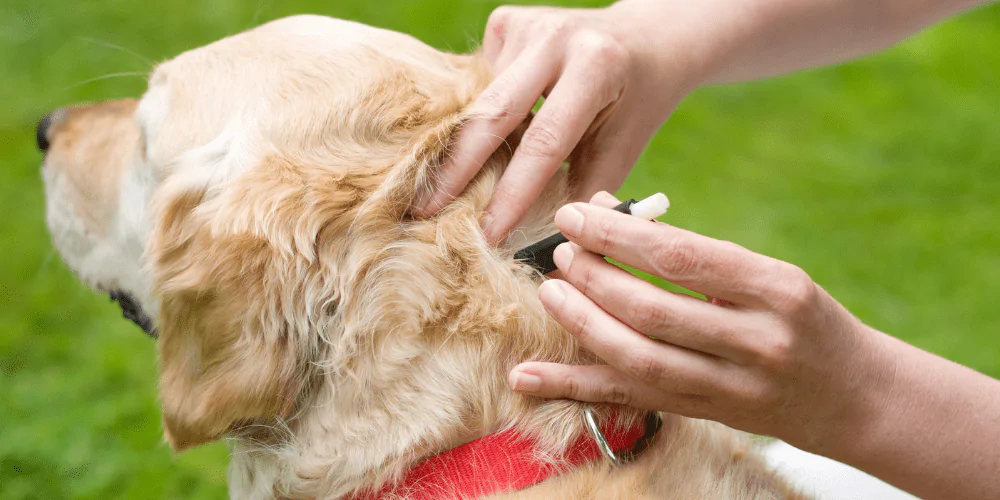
(506, 461)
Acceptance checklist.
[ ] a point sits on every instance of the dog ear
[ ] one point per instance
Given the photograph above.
(241, 293)
(219, 371)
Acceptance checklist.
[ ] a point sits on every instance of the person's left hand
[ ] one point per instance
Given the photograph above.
(770, 352)
(608, 85)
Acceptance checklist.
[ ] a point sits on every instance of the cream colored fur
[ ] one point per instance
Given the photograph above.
(302, 313)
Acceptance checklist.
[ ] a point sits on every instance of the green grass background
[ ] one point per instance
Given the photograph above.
(879, 178)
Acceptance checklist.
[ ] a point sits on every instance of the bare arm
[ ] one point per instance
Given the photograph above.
(939, 431)
(753, 39)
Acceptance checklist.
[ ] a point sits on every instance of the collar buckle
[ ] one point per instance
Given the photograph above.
(619, 458)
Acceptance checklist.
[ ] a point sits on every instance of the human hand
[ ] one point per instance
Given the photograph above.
(607, 91)
(770, 352)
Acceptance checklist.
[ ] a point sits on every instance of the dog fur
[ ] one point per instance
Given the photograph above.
(256, 198)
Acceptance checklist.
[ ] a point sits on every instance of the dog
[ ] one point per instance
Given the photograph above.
(251, 212)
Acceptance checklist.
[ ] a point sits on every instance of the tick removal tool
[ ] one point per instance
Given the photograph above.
(539, 255)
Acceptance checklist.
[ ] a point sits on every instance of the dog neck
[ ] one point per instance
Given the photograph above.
(428, 334)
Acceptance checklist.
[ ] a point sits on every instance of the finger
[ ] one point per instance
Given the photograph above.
(668, 367)
(674, 318)
(496, 32)
(705, 265)
(592, 384)
(601, 384)
(496, 112)
(570, 108)
(605, 199)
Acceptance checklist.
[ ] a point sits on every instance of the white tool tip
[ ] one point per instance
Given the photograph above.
(651, 207)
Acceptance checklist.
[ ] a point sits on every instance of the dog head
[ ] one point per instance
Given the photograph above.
(226, 199)
(254, 204)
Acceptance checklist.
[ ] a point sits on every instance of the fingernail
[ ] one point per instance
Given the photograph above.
(563, 256)
(569, 220)
(487, 224)
(426, 200)
(525, 382)
(551, 293)
(419, 206)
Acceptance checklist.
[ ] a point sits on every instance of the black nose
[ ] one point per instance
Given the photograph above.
(41, 133)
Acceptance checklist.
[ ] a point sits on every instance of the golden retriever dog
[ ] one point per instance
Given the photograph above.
(253, 207)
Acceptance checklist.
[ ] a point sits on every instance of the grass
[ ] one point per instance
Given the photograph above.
(879, 178)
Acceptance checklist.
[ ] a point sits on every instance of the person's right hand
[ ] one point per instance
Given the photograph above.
(771, 353)
(609, 84)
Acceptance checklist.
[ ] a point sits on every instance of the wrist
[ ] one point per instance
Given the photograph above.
(931, 430)
(860, 408)
(671, 54)
(688, 44)
(872, 409)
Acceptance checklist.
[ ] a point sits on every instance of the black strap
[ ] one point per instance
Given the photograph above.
(653, 425)
(539, 254)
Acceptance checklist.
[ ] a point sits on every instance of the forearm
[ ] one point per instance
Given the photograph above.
(938, 432)
(751, 39)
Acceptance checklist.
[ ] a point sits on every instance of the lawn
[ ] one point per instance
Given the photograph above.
(879, 178)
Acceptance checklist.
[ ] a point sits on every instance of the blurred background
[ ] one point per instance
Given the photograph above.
(879, 178)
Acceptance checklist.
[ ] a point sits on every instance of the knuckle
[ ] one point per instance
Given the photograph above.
(495, 105)
(499, 16)
(795, 292)
(602, 232)
(752, 397)
(558, 26)
(607, 61)
(616, 394)
(775, 353)
(573, 388)
(674, 257)
(765, 396)
(743, 394)
(780, 354)
(587, 279)
(600, 48)
(607, 392)
(748, 391)
(646, 316)
(541, 140)
(580, 323)
(645, 367)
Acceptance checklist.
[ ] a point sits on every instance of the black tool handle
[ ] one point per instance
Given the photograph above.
(539, 254)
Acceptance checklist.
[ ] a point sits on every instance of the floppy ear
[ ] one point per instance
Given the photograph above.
(242, 296)
(219, 371)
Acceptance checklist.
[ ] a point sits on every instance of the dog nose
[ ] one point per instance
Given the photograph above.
(42, 132)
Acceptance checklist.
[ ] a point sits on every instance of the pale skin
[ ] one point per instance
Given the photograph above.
(770, 351)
